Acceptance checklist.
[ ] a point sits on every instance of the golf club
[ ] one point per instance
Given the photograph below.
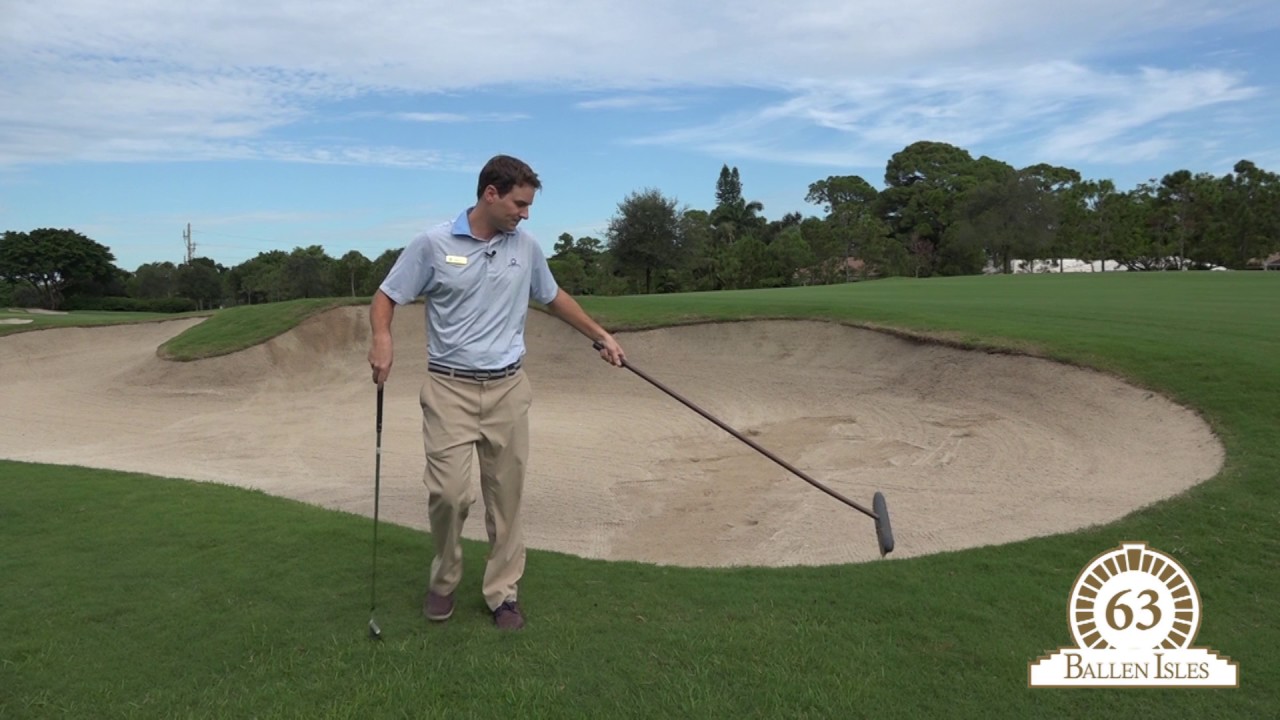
(375, 632)
(884, 532)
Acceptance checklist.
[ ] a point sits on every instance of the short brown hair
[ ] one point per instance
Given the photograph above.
(504, 172)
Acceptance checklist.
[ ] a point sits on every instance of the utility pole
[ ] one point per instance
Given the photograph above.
(191, 245)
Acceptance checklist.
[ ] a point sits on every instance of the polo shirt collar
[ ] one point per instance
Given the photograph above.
(462, 226)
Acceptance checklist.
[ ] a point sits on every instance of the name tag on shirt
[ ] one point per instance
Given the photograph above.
(456, 259)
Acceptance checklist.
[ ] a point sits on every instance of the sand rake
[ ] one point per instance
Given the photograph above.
(879, 511)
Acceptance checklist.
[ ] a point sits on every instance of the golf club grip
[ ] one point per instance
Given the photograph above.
(754, 445)
(379, 407)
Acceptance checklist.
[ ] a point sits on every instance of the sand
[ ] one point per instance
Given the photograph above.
(970, 448)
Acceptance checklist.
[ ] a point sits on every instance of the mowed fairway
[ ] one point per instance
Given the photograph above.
(127, 595)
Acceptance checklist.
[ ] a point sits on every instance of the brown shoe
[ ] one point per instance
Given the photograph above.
(438, 608)
(508, 617)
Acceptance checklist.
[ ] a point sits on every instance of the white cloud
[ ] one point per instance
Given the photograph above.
(630, 102)
(424, 117)
(444, 117)
(87, 80)
(355, 155)
(1056, 112)
(433, 45)
(1142, 101)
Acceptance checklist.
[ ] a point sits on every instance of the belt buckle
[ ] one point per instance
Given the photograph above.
(483, 375)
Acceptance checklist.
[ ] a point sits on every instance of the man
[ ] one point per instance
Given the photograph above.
(478, 274)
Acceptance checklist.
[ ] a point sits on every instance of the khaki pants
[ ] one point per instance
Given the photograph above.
(491, 419)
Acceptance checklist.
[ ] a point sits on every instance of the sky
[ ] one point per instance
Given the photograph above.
(355, 125)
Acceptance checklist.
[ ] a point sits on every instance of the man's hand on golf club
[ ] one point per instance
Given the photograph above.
(380, 355)
(381, 310)
(610, 350)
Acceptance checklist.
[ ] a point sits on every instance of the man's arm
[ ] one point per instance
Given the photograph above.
(568, 310)
(381, 310)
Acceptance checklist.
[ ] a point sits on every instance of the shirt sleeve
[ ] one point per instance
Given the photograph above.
(411, 272)
(542, 287)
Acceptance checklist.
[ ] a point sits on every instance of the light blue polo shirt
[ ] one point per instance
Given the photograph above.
(477, 292)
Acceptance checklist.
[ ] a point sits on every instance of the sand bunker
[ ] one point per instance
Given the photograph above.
(970, 448)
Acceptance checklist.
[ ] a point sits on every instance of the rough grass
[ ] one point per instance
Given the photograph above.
(132, 596)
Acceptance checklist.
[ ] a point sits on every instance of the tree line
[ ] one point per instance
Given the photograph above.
(63, 269)
(940, 212)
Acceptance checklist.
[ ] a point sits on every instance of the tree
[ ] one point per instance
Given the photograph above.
(1139, 243)
(576, 264)
(853, 213)
(923, 184)
(586, 248)
(643, 235)
(1055, 186)
(569, 271)
(308, 271)
(728, 187)
(1185, 207)
(1087, 222)
(1051, 178)
(1013, 215)
(1251, 210)
(837, 191)
(381, 266)
(201, 281)
(774, 228)
(589, 249)
(52, 261)
(790, 253)
(354, 267)
(154, 281)
(754, 264)
(828, 249)
(879, 251)
(259, 279)
(734, 221)
(707, 265)
(733, 216)
(564, 244)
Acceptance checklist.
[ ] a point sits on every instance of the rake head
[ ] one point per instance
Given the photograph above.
(884, 531)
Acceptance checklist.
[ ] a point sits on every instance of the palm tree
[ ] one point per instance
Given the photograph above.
(737, 218)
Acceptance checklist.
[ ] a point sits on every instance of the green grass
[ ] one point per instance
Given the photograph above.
(132, 596)
(40, 321)
(244, 326)
(225, 332)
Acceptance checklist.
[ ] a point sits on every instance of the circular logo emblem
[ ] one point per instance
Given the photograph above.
(1134, 598)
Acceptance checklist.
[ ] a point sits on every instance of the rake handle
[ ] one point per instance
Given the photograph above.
(754, 445)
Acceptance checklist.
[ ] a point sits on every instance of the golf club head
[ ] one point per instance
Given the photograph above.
(884, 531)
(375, 632)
